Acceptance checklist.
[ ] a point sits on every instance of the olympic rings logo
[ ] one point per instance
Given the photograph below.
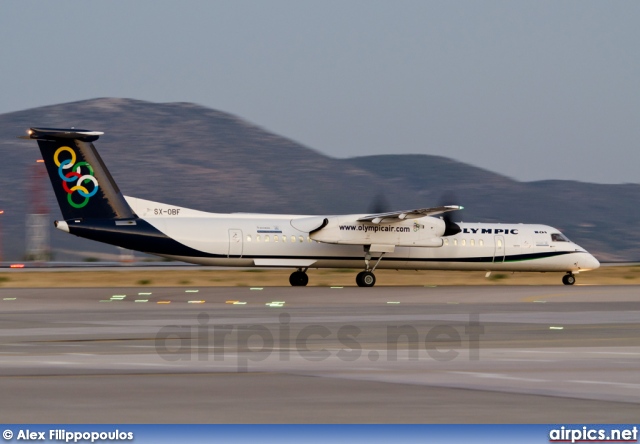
(76, 176)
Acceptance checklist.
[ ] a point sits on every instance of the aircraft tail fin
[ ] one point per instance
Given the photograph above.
(82, 184)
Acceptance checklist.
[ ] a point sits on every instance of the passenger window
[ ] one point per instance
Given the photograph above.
(455, 242)
(284, 238)
(499, 242)
(472, 242)
(266, 238)
(275, 238)
(258, 238)
(481, 242)
(308, 239)
(248, 238)
(464, 242)
(446, 241)
(301, 239)
(293, 238)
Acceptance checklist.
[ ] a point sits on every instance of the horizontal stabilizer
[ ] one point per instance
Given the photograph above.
(59, 133)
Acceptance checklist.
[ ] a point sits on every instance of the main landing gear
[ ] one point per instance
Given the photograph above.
(366, 278)
(299, 278)
(568, 279)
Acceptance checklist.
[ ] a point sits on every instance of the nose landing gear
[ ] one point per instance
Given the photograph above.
(568, 279)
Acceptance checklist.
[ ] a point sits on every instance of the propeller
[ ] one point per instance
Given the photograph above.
(379, 204)
(451, 228)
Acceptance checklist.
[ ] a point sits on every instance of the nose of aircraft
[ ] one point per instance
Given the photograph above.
(588, 262)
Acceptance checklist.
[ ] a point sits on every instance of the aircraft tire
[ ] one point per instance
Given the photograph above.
(365, 279)
(298, 279)
(568, 279)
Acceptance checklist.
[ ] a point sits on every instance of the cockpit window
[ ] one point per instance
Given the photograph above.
(558, 237)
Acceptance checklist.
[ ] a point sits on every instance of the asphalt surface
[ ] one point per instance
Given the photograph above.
(321, 355)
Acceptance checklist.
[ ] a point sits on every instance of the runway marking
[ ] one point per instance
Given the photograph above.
(619, 384)
(499, 376)
(538, 297)
(575, 352)
(615, 353)
(540, 351)
(169, 365)
(144, 364)
(111, 375)
(541, 297)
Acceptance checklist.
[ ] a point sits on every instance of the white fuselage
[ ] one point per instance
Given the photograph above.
(248, 240)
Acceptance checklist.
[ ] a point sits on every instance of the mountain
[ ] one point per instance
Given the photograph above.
(209, 160)
(601, 218)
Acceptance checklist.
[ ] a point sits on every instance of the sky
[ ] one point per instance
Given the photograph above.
(533, 90)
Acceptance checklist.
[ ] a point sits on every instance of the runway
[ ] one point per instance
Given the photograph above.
(321, 355)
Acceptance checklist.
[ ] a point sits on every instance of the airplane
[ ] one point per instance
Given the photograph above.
(93, 207)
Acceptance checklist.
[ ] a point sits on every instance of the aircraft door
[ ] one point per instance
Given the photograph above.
(235, 243)
(498, 255)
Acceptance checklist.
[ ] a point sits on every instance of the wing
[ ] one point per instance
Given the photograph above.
(395, 216)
